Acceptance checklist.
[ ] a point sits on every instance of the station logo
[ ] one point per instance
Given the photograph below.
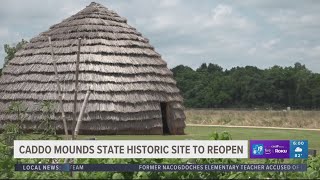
(257, 149)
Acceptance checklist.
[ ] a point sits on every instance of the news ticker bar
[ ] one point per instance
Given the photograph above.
(161, 167)
(274, 149)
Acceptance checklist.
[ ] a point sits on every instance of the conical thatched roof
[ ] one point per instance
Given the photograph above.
(127, 77)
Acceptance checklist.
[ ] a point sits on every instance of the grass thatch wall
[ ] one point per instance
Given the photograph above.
(127, 76)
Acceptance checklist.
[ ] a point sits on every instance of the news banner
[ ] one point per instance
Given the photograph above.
(252, 149)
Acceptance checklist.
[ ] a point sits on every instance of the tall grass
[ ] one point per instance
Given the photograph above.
(292, 119)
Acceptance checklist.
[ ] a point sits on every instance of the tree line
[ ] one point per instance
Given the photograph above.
(209, 86)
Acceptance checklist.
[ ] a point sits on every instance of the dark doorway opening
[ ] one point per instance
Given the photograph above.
(164, 118)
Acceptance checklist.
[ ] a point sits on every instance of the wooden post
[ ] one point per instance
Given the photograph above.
(76, 90)
(59, 90)
(84, 104)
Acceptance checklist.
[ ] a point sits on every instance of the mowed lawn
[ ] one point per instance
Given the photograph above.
(202, 133)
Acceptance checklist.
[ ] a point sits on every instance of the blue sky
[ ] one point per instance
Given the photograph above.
(190, 32)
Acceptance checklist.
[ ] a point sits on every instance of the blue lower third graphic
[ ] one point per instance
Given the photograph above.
(299, 149)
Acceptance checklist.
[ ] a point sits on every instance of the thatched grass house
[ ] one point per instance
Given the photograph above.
(133, 91)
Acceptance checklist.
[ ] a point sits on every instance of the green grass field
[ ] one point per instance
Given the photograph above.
(270, 118)
(202, 133)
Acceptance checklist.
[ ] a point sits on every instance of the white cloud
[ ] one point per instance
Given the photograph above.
(298, 149)
(294, 22)
(288, 19)
(220, 14)
(191, 32)
(181, 21)
(270, 44)
(169, 3)
(313, 52)
(189, 50)
(161, 22)
(252, 51)
(3, 32)
(224, 16)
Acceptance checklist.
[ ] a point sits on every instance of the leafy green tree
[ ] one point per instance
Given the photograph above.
(210, 86)
(203, 68)
(214, 68)
(12, 50)
(314, 82)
